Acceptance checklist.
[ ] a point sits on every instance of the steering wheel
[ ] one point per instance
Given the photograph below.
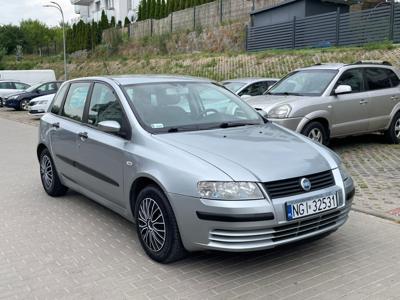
(207, 111)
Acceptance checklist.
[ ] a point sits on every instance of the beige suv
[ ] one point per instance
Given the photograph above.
(336, 100)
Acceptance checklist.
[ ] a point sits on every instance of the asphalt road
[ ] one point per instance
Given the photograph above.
(73, 248)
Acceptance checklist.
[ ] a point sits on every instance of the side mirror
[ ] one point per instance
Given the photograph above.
(343, 89)
(109, 126)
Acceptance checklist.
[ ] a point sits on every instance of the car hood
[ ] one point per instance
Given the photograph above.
(18, 94)
(254, 153)
(267, 102)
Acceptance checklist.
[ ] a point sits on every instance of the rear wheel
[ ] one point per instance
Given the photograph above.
(317, 132)
(48, 174)
(24, 105)
(156, 226)
(393, 133)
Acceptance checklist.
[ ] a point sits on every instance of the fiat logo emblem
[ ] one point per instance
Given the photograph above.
(305, 184)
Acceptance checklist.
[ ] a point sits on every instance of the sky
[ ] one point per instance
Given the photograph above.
(14, 11)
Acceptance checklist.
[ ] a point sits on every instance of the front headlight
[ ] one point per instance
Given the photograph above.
(229, 190)
(343, 172)
(280, 112)
(12, 98)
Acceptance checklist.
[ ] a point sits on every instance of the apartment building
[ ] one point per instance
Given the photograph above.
(89, 10)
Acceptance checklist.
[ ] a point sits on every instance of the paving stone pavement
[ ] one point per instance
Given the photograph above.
(73, 248)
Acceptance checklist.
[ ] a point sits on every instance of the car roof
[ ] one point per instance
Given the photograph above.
(142, 79)
(250, 79)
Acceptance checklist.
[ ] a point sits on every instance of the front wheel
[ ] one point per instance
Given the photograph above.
(48, 174)
(393, 133)
(156, 226)
(24, 105)
(317, 132)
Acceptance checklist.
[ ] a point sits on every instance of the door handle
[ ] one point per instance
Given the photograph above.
(55, 125)
(363, 101)
(83, 135)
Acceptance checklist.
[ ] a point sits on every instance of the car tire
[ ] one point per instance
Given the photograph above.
(156, 226)
(317, 132)
(49, 176)
(23, 105)
(393, 133)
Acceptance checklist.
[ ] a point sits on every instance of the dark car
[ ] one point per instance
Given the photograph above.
(20, 100)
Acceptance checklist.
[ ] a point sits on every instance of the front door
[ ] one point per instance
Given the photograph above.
(350, 111)
(101, 155)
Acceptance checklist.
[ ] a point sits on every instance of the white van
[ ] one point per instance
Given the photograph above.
(30, 77)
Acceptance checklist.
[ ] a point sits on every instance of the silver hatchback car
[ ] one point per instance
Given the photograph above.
(336, 100)
(191, 164)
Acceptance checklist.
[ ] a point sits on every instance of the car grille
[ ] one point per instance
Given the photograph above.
(292, 186)
(279, 234)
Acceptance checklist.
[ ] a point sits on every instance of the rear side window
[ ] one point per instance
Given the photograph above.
(393, 77)
(75, 102)
(377, 79)
(255, 89)
(6, 85)
(56, 105)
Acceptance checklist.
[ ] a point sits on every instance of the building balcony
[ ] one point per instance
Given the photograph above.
(82, 2)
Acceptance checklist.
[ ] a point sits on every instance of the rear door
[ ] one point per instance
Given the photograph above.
(102, 155)
(350, 112)
(383, 85)
(68, 108)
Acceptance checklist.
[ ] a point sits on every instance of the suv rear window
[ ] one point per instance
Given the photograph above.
(379, 78)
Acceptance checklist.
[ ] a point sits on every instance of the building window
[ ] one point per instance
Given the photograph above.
(109, 4)
(98, 6)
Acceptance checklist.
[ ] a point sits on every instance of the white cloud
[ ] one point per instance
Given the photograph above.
(18, 10)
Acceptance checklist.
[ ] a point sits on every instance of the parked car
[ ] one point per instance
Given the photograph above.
(38, 106)
(30, 77)
(20, 101)
(8, 87)
(159, 150)
(336, 100)
(249, 87)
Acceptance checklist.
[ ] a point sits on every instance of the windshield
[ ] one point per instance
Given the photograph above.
(234, 86)
(172, 107)
(303, 83)
(33, 87)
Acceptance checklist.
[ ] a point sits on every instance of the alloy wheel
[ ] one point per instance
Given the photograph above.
(397, 129)
(316, 135)
(46, 172)
(151, 224)
(25, 105)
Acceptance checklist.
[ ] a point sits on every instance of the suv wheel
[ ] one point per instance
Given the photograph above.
(48, 174)
(156, 226)
(393, 133)
(317, 132)
(24, 105)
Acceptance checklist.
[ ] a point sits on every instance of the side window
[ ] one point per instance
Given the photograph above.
(353, 78)
(6, 85)
(394, 79)
(104, 106)
(20, 86)
(255, 89)
(52, 87)
(75, 101)
(56, 105)
(43, 88)
(377, 79)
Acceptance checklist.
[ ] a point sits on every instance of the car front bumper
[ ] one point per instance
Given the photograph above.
(11, 104)
(290, 123)
(238, 226)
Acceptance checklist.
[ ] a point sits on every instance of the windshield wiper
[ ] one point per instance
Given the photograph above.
(235, 124)
(285, 94)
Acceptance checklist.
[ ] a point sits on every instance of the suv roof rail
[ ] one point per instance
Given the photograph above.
(373, 62)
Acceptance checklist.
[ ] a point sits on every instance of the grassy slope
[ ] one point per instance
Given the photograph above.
(213, 65)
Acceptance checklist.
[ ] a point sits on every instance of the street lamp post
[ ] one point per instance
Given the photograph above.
(57, 6)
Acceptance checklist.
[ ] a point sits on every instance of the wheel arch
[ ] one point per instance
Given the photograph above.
(317, 117)
(140, 183)
(39, 149)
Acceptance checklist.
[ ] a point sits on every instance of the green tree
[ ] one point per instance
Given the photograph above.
(112, 22)
(10, 37)
(126, 22)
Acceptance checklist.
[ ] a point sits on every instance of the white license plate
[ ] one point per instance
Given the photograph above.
(310, 207)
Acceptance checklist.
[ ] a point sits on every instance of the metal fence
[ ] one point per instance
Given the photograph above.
(329, 29)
